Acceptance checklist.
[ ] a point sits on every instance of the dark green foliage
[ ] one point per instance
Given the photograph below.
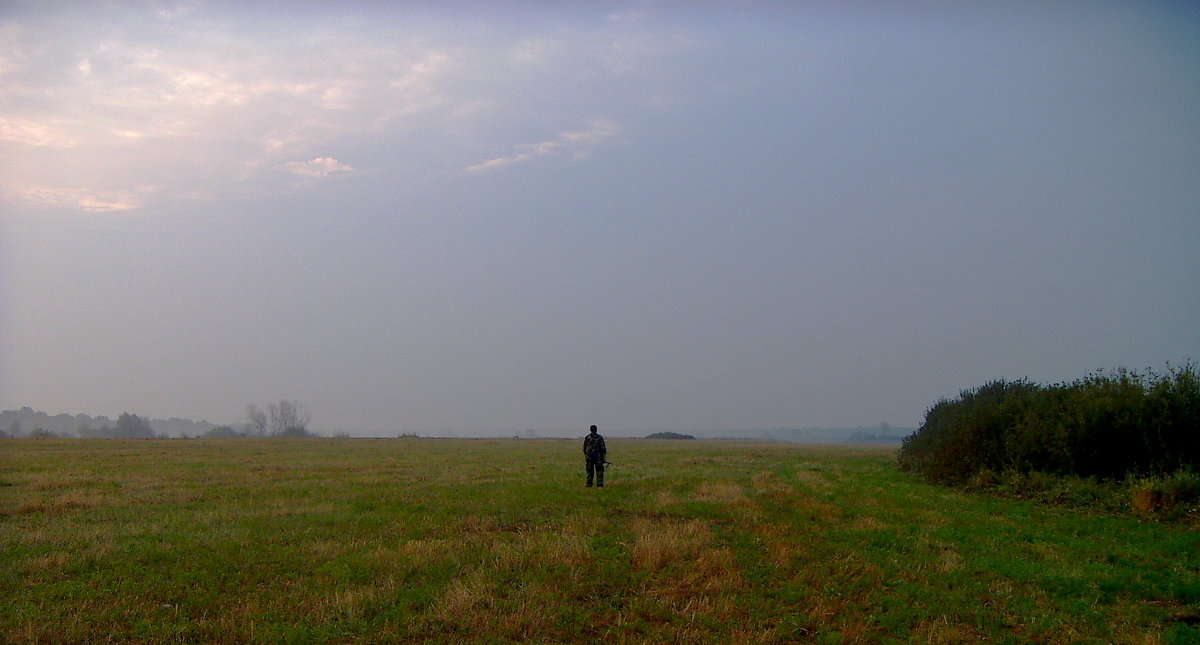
(129, 426)
(222, 432)
(964, 436)
(669, 435)
(1108, 426)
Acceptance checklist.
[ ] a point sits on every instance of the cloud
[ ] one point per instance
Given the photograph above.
(201, 106)
(32, 133)
(108, 202)
(92, 201)
(579, 142)
(319, 167)
(120, 114)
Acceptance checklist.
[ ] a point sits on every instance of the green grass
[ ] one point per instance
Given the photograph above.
(353, 540)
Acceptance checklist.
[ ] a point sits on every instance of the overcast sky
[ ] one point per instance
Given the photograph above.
(503, 216)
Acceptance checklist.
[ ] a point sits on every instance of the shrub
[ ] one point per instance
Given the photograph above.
(1062, 490)
(1107, 426)
(1166, 495)
(963, 436)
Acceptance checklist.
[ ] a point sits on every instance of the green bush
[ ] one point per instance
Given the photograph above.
(962, 437)
(1105, 426)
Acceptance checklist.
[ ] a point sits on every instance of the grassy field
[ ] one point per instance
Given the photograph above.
(423, 540)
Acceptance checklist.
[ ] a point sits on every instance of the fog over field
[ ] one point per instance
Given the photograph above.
(469, 218)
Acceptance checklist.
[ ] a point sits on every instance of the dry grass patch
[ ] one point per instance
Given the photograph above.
(868, 523)
(766, 483)
(666, 499)
(353, 602)
(428, 552)
(784, 553)
(328, 549)
(49, 565)
(950, 560)
(715, 571)
(695, 578)
(659, 544)
(486, 524)
(282, 508)
(571, 548)
(943, 630)
(818, 476)
(782, 495)
(476, 604)
(813, 509)
(65, 503)
(722, 492)
(58, 480)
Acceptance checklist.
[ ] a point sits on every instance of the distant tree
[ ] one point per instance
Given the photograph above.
(40, 433)
(131, 426)
(288, 419)
(14, 428)
(257, 418)
(669, 435)
(103, 432)
(221, 432)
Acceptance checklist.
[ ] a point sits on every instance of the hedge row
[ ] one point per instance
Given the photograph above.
(1108, 426)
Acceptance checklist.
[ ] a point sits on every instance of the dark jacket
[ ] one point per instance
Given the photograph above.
(593, 448)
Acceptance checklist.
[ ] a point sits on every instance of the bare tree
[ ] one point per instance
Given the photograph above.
(288, 419)
(257, 418)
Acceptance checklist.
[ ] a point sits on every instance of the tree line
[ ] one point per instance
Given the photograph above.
(283, 419)
(1107, 426)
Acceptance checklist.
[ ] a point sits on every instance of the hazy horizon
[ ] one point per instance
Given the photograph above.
(67, 425)
(644, 214)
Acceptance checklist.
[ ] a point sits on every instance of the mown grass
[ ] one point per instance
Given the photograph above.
(498, 541)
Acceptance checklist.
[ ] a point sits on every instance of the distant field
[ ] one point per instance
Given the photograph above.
(424, 540)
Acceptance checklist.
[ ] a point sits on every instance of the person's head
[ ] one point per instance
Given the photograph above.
(593, 429)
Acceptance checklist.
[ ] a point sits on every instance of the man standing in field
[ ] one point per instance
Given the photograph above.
(595, 453)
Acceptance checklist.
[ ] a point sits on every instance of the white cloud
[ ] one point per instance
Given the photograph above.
(108, 202)
(129, 113)
(92, 201)
(197, 106)
(577, 141)
(319, 167)
(33, 133)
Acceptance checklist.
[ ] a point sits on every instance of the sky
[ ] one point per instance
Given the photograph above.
(479, 217)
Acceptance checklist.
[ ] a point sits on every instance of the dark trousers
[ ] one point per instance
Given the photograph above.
(595, 468)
